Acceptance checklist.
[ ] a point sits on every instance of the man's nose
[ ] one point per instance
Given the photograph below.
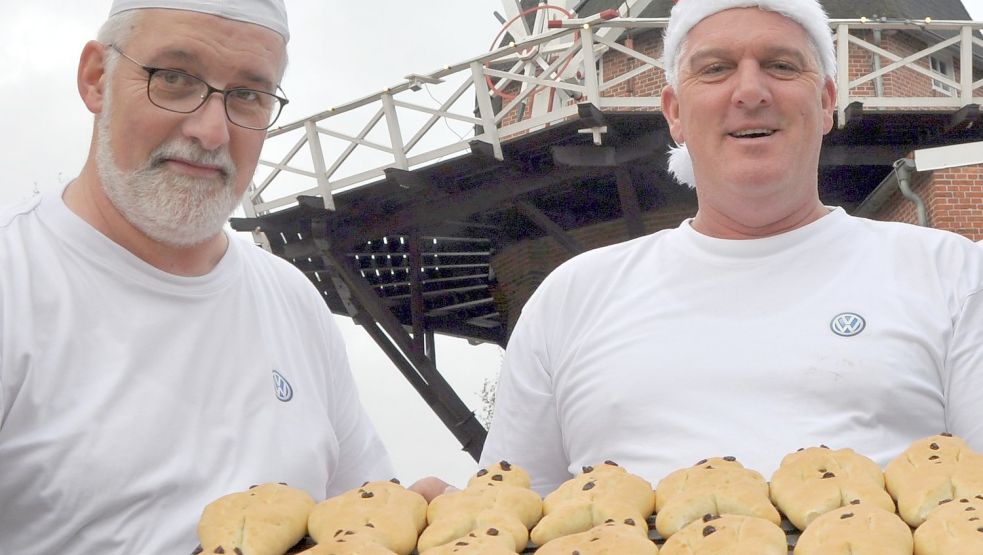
(751, 88)
(209, 125)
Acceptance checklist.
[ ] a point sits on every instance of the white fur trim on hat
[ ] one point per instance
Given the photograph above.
(681, 166)
(271, 14)
(807, 13)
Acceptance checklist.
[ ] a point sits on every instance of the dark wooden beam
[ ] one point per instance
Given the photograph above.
(434, 208)
(651, 146)
(544, 222)
(630, 208)
(966, 117)
(417, 315)
(861, 155)
(390, 335)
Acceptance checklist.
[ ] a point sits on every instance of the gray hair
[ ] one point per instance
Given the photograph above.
(117, 30)
(809, 14)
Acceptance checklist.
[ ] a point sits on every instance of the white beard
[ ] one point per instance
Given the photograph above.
(175, 210)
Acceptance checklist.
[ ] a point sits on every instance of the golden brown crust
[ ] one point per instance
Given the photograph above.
(728, 534)
(954, 528)
(715, 486)
(603, 492)
(267, 519)
(932, 470)
(490, 501)
(612, 538)
(385, 511)
(861, 529)
(816, 480)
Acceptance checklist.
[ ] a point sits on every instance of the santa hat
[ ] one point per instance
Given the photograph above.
(687, 13)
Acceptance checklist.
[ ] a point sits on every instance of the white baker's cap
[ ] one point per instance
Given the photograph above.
(687, 13)
(271, 14)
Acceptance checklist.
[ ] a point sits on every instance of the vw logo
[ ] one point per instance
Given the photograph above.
(847, 324)
(282, 388)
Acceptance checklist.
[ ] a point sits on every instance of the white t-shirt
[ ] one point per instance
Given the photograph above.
(130, 398)
(674, 347)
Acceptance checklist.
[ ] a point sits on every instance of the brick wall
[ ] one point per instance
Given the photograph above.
(953, 199)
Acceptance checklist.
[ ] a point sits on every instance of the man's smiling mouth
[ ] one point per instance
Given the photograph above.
(752, 133)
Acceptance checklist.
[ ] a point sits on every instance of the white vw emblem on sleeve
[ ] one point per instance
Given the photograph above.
(847, 324)
(282, 388)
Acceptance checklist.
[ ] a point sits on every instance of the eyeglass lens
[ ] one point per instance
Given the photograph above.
(183, 92)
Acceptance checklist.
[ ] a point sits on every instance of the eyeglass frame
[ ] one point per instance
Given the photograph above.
(210, 90)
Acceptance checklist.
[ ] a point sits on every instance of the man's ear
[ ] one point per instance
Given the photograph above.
(92, 82)
(670, 110)
(828, 99)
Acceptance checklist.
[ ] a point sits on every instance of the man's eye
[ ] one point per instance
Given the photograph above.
(175, 79)
(784, 68)
(244, 95)
(713, 71)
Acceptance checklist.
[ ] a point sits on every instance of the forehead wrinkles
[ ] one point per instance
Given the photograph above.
(212, 42)
(811, 56)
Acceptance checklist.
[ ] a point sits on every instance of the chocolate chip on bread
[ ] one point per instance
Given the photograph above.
(611, 538)
(814, 481)
(715, 486)
(489, 541)
(601, 493)
(860, 529)
(727, 535)
(496, 498)
(384, 511)
(931, 470)
(267, 519)
(954, 528)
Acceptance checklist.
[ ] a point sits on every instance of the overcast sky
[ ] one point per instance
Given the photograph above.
(339, 51)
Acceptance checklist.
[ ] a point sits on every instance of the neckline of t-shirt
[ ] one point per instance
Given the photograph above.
(99, 249)
(738, 250)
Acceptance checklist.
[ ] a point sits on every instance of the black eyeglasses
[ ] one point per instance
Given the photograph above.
(181, 92)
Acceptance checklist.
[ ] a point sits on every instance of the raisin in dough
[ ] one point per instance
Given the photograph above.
(495, 498)
(385, 511)
(860, 529)
(715, 486)
(604, 492)
(349, 542)
(954, 528)
(612, 538)
(490, 541)
(728, 535)
(932, 470)
(267, 519)
(817, 480)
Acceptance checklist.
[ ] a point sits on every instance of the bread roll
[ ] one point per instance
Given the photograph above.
(816, 480)
(930, 471)
(349, 542)
(384, 511)
(860, 529)
(603, 492)
(728, 535)
(954, 528)
(715, 486)
(490, 501)
(612, 538)
(484, 542)
(267, 519)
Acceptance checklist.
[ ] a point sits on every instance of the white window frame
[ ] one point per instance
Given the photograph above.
(944, 65)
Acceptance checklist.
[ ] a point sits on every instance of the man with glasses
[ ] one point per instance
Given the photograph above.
(150, 361)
